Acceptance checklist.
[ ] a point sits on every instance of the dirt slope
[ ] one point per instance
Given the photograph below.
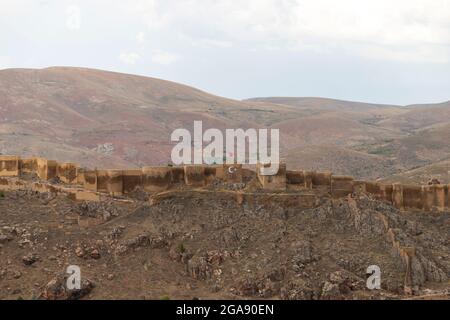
(198, 245)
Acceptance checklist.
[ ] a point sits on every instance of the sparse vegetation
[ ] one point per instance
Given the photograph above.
(181, 248)
(385, 150)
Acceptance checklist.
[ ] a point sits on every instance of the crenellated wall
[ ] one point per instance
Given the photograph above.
(67, 172)
(46, 169)
(272, 182)
(157, 179)
(9, 166)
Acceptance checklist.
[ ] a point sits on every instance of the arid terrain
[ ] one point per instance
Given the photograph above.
(107, 119)
(199, 244)
(187, 243)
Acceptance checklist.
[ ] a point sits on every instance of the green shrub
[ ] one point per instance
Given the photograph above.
(181, 248)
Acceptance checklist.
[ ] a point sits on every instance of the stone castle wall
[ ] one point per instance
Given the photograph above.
(156, 179)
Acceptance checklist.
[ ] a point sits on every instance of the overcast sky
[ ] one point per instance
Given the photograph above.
(384, 51)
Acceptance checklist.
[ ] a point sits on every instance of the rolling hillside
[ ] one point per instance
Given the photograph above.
(109, 119)
(86, 109)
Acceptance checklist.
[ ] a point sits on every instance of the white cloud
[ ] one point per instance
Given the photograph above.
(419, 29)
(140, 37)
(402, 27)
(249, 43)
(420, 54)
(152, 12)
(206, 42)
(73, 20)
(129, 57)
(164, 58)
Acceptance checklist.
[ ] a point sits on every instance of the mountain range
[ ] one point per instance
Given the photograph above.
(112, 120)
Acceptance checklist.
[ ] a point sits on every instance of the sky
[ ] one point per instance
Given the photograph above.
(381, 51)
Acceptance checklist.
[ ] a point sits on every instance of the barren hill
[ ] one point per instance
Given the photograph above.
(439, 170)
(422, 147)
(345, 136)
(133, 116)
(325, 104)
(339, 159)
(420, 116)
(85, 109)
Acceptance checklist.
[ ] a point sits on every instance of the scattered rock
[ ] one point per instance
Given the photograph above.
(199, 268)
(29, 259)
(79, 252)
(330, 291)
(56, 289)
(94, 254)
(5, 238)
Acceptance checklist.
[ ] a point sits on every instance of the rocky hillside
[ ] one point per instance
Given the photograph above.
(199, 246)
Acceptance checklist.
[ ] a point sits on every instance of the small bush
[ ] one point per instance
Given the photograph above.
(164, 297)
(181, 248)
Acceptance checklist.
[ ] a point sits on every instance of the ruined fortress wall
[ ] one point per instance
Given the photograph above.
(309, 179)
(308, 175)
(28, 165)
(412, 197)
(321, 179)
(156, 178)
(359, 186)
(447, 191)
(177, 174)
(341, 186)
(210, 171)
(397, 195)
(46, 169)
(386, 192)
(295, 177)
(115, 182)
(229, 172)
(379, 191)
(80, 176)
(419, 197)
(272, 182)
(439, 199)
(194, 175)
(9, 166)
(90, 180)
(247, 173)
(102, 180)
(67, 172)
(131, 180)
(427, 197)
(110, 181)
(373, 188)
